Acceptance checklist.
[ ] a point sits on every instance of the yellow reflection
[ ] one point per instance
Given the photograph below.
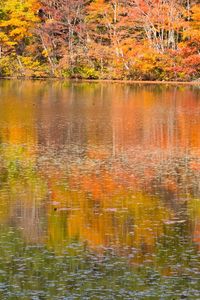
(194, 210)
(21, 191)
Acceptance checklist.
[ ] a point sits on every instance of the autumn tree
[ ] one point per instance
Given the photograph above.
(162, 21)
(106, 39)
(17, 20)
(62, 33)
(111, 35)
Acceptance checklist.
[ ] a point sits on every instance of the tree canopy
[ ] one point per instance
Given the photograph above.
(100, 39)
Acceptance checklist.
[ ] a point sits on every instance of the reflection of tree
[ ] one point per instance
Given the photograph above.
(104, 215)
(147, 129)
(21, 190)
(102, 153)
(149, 145)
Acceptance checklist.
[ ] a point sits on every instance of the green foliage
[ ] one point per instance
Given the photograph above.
(8, 66)
(85, 72)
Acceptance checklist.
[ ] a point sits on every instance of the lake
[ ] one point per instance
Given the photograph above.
(99, 191)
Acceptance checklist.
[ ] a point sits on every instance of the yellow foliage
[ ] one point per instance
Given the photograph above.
(17, 21)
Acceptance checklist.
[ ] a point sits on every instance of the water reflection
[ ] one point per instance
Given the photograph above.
(108, 167)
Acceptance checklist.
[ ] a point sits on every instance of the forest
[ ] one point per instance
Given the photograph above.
(100, 39)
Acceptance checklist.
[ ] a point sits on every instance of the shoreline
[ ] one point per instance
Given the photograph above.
(156, 82)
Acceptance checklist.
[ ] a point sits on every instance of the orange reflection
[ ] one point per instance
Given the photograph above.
(111, 162)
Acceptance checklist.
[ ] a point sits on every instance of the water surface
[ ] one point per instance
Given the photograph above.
(99, 191)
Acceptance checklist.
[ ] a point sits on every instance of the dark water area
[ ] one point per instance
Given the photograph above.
(99, 191)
